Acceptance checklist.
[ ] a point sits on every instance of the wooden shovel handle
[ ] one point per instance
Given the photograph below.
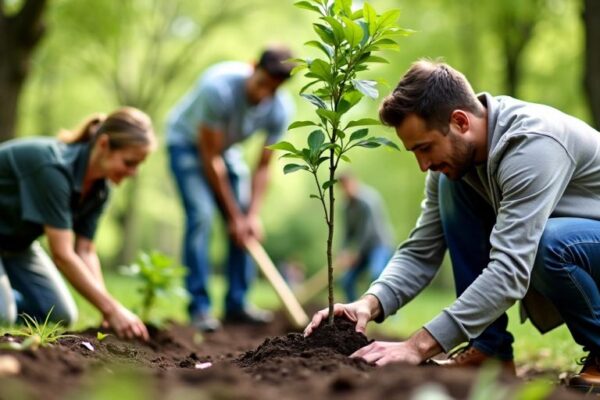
(293, 308)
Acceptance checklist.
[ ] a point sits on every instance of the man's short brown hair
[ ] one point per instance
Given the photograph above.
(431, 90)
(275, 62)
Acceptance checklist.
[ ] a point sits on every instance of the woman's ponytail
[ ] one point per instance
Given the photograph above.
(84, 133)
(126, 126)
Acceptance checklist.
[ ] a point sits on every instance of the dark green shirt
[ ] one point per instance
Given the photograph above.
(40, 184)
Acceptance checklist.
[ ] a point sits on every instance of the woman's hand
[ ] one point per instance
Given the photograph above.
(125, 323)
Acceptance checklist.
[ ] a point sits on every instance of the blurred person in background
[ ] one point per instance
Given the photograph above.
(367, 243)
(230, 102)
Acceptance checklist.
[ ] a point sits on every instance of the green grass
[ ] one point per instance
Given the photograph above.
(554, 350)
(127, 291)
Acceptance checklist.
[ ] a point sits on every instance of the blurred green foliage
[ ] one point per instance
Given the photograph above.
(85, 39)
(160, 276)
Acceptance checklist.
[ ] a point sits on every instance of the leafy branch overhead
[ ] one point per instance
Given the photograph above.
(349, 41)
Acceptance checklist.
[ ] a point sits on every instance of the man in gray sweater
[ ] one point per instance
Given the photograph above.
(513, 192)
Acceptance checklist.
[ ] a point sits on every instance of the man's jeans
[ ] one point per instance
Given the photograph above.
(566, 268)
(200, 205)
(31, 284)
(567, 272)
(374, 260)
(467, 220)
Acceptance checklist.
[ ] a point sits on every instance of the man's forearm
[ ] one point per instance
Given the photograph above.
(374, 305)
(216, 171)
(210, 150)
(260, 181)
(425, 344)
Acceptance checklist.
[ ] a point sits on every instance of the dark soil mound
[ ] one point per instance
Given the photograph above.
(294, 356)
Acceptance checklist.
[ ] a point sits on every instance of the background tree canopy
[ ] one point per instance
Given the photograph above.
(94, 56)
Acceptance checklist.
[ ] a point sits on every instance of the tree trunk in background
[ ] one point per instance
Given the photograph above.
(19, 35)
(591, 18)
(514, 36)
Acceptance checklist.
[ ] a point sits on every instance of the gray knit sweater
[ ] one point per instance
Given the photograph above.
(541, 163)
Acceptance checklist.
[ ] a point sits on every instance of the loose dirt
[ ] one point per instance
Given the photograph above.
(238, 362)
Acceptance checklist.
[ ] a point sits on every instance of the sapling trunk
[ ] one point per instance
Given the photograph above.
(330, 227)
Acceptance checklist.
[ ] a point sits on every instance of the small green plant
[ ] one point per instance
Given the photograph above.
(37, 334)
(349, 41)
(101, 336)
(160, 276)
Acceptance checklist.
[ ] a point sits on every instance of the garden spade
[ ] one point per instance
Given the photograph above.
(293, 308)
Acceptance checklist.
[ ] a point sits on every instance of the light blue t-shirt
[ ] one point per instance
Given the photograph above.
(219, 101)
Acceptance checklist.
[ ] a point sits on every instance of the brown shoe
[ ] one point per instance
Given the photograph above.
(588, 380)
(469, 356)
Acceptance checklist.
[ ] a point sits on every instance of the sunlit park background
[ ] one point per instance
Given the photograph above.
(96, 55)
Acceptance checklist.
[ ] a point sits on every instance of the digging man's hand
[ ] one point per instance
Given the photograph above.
(418, 348)
(360, 312)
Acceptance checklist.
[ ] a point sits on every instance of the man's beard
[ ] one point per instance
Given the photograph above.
(462, 158)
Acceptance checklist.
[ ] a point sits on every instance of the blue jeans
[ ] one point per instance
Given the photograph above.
(567, 272)
(31, 284)
(374, 260)
(200, 204)
(566, 269)
(467, 221)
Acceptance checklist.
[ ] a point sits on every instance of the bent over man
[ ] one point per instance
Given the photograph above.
(513, 192)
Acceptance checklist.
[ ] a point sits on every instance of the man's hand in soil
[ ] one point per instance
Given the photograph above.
(125, 323)
(361, 312)
(418, 348)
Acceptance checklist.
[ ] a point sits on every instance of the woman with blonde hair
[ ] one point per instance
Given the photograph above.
(59, 187)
